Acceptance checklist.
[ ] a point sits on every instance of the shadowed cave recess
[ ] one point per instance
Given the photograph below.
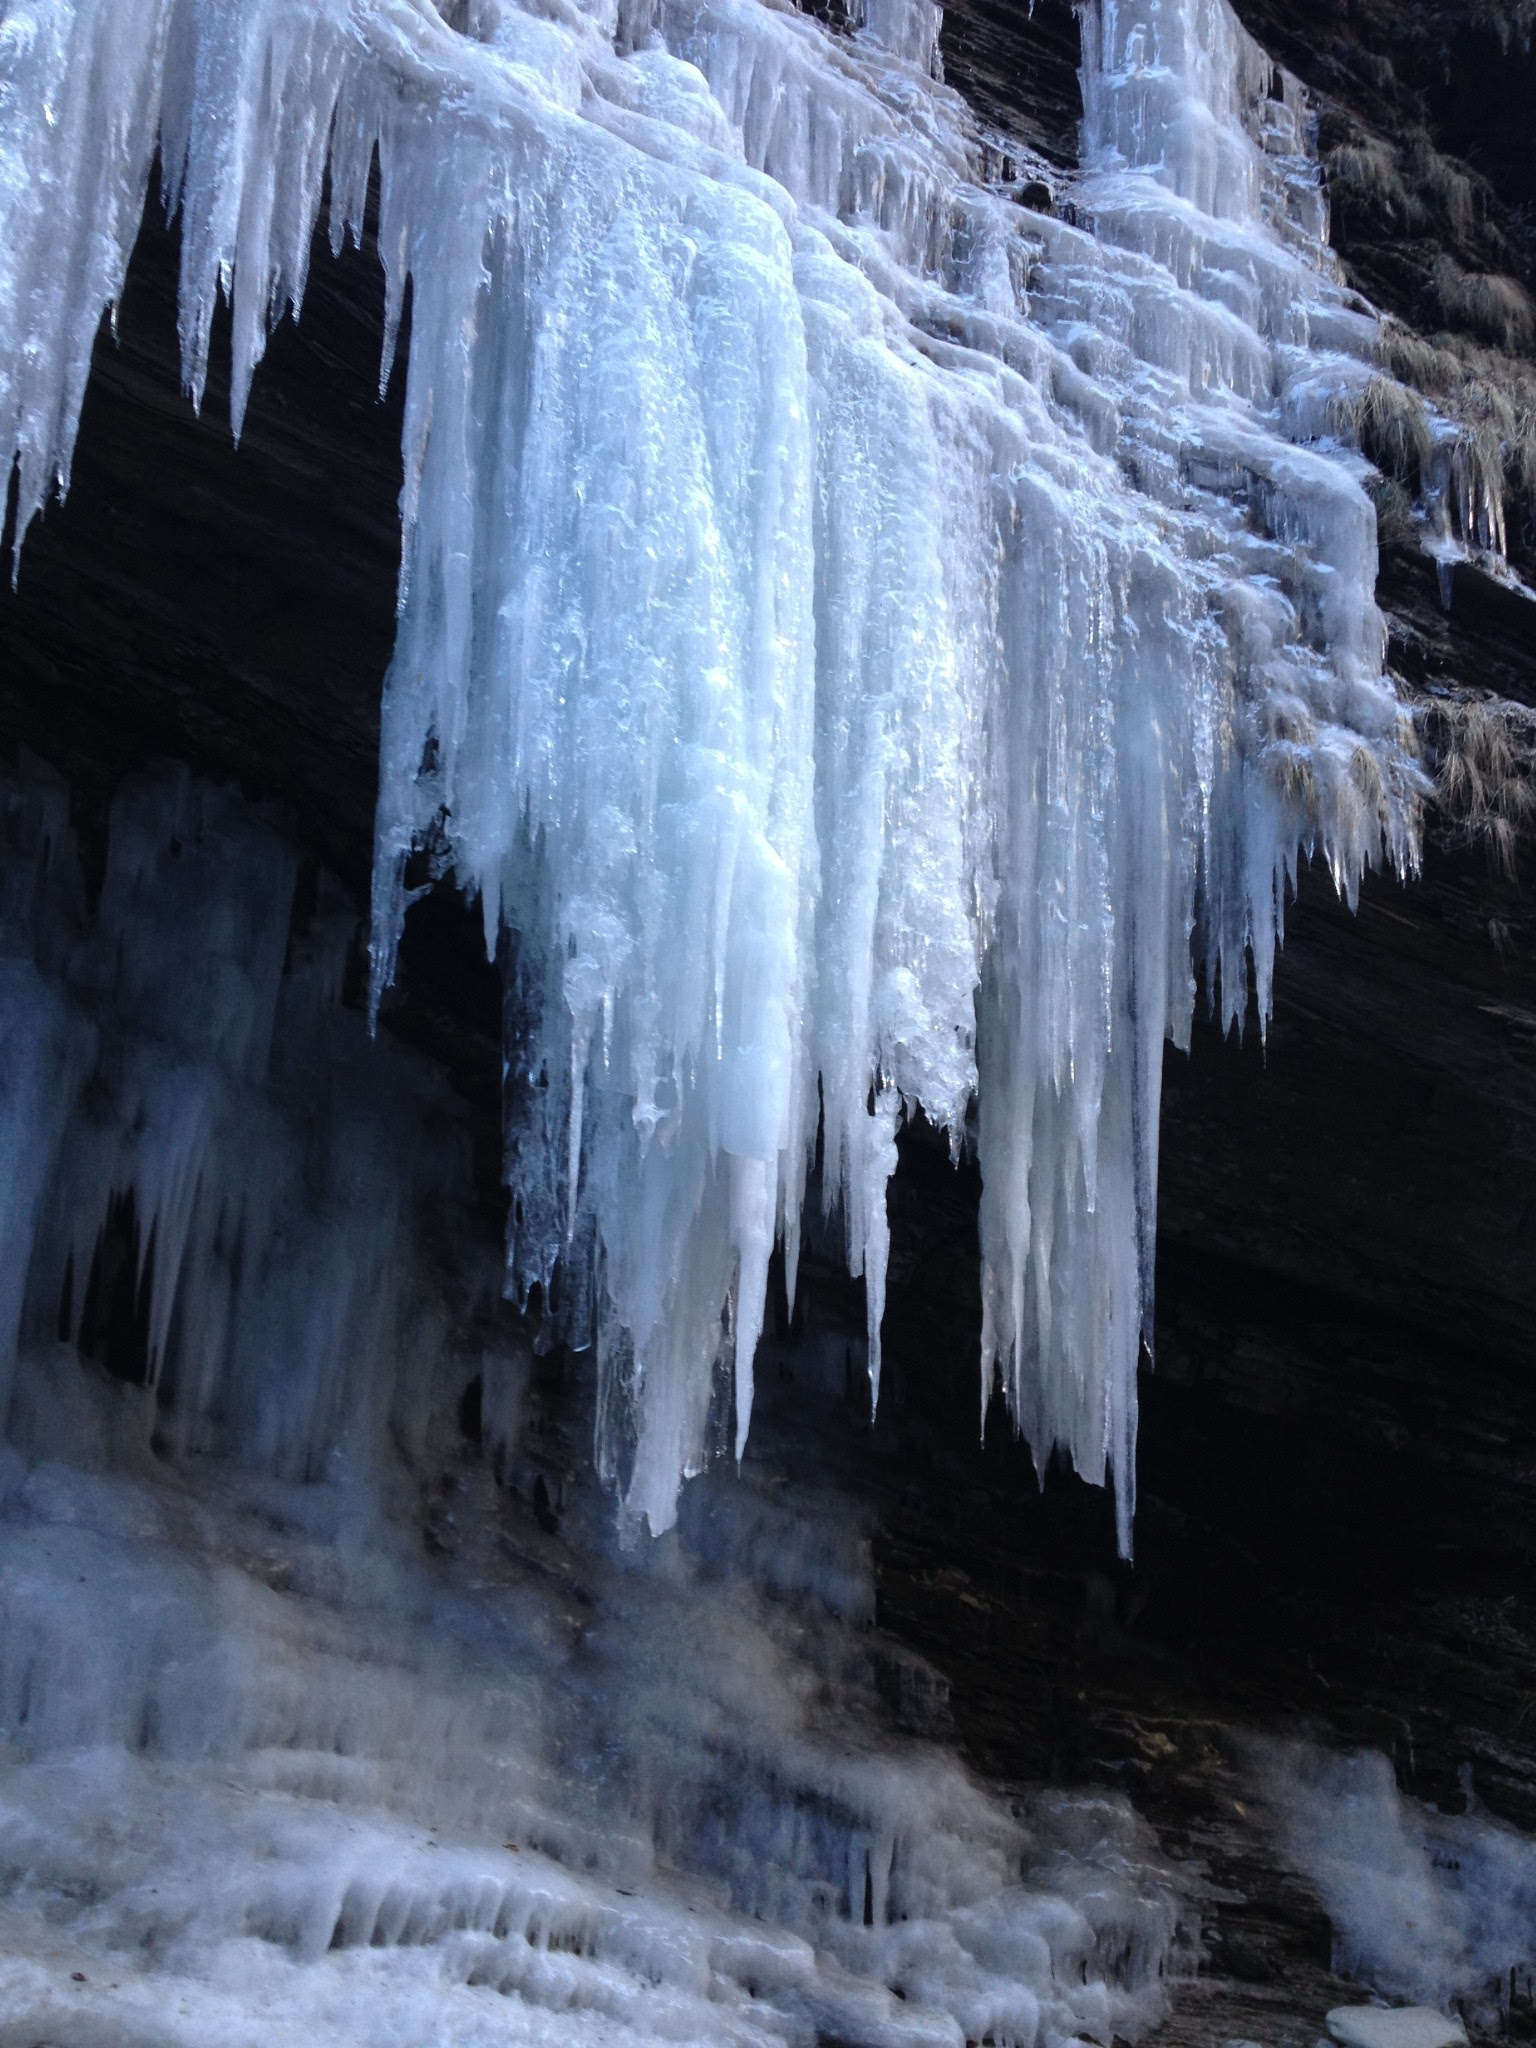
(702, 1339)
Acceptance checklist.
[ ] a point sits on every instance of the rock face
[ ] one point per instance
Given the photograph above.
(1425, 85)
(1018, 69)
(1338, 1463)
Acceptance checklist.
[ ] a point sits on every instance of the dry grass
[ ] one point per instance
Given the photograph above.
(1477, 487)
(1390, 425)
(1394, 513)
(1443, 186)
(1482, 751)
(1477, 374)
(1489, 396)
(1409, 183)
(1496, 308)
(1367, 172)
(1418, 362)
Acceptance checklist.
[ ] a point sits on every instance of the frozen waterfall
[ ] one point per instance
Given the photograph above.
(861, 639)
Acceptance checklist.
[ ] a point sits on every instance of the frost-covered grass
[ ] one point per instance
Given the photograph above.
(1487, 399)
(1483, 753)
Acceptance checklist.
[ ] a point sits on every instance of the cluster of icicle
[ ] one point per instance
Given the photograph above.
(854, 629)
(184, 1123)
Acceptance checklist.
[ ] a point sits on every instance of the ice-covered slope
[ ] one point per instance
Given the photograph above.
(854, 630)
(275, 1770)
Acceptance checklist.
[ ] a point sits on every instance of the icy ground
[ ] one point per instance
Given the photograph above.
(331, 1710)
(270, 1780)
(857, 632)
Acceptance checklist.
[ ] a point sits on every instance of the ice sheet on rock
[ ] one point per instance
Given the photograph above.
(183, 1142)
(853, 630)
(1432, 1907)
(340, 1813)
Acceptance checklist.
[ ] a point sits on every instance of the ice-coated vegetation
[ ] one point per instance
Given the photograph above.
(854, 630)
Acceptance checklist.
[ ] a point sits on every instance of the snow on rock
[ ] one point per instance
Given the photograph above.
(1394, 2026)
(854, 631)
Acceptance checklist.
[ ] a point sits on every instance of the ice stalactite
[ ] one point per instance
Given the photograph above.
(185, 1133)
(854, 630)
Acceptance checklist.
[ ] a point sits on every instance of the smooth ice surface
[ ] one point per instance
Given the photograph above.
(1394, 2026)
(276, 1770)
(1434, 1907)
(855, 632)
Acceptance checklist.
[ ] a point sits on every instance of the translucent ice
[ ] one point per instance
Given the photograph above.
(854, 631)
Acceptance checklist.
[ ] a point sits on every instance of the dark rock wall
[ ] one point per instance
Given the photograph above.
(234, 608)
(1450, 77)
(231, 607)
(1016, 63)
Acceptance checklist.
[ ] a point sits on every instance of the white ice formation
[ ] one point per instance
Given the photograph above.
(1394, 2026)
(1425, 1905)
(273, 1775)
(855, 631)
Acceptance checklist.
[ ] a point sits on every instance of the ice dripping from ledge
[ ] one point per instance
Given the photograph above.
(854, 630)
(1428, 1906)
(273, 1771)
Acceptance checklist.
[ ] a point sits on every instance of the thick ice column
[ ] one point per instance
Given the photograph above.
(1168, 84)
(603, 680)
